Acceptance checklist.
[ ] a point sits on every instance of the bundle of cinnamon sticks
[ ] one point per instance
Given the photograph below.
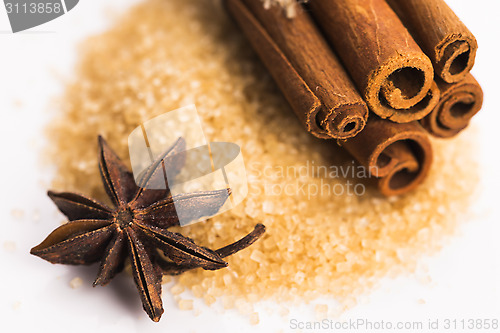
(376, 75)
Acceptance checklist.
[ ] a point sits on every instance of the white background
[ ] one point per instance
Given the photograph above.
(37, 296)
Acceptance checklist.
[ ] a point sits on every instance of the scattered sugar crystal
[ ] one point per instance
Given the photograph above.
(18, 214)
(185, 304)
(254, 318)
(197, 291)
(284, 311)
(299, 277)
(268, 207)
(9, 246)
(16, 306)
(209, 299)
(243, 306)
(36, 216)
(177, 289)
(321, 311)
(228, 302)
(227, 279)
(76, 283)
(257, 256)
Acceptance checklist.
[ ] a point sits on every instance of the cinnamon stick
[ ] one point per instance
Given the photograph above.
(459, 103)
(305, 68)
(400, 155)
(443, 37)
(389, 68)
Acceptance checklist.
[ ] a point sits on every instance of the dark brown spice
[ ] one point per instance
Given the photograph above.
(459, 102)
(136, 227)
(389, 68)
(441, 35)
(400, 155)
(305, 68)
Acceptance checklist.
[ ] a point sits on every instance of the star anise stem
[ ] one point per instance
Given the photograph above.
(171, 268)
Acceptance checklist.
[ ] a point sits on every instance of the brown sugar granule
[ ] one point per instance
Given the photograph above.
(321, 311)
(185, 304)
(16, 305)
(338, 244)
(9, 246)
(17, 214)
(254, 318)
(76, 283)
(177, 289)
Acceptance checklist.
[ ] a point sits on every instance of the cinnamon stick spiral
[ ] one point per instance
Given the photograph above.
(388, 67)
(459, 103)
(443, 37)
(400, 155)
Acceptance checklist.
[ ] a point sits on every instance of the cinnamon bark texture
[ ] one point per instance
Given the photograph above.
(400, 155)
(459, 103)
(391, 71)
(305, 68)
(443, 37)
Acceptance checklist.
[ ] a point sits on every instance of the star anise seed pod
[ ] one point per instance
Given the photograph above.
(136, 227)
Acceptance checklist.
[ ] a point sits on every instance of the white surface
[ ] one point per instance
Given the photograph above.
(37, 296)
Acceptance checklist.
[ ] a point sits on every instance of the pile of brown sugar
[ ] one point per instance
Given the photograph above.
(339, 244)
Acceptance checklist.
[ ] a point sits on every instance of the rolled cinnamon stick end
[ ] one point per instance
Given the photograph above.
(459, 103)
(305, 68)
(443, 37)
(388, 67)
(400, 155)
(425, 106)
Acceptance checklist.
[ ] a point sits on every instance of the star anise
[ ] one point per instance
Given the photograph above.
(136, 227)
